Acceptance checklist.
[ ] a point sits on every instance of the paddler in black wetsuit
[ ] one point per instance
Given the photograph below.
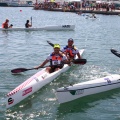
(27, 25)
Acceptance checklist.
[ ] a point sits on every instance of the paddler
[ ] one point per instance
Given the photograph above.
(27, 24)
(70, 50)
(56, 59)
(93, 15)
(11, 25)
(5, 24)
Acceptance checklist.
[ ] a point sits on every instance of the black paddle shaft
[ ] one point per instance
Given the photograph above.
(18, 70)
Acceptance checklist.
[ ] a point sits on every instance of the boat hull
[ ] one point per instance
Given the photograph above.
(48, 28)
(33, 84)
(67, 94)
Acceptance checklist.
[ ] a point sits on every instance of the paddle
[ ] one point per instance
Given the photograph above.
(18, 70)
(79, 61)
(50, 43)
(31, 21)
(115, 52)
(76, 61)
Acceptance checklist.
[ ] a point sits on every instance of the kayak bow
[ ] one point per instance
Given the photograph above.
(67, 94)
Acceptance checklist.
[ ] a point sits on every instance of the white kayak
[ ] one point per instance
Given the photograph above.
(48, 28)
(33, 84)
(66, 94)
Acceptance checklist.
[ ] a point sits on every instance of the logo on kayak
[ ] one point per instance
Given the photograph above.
(108, 80)
(77, 92)
(44, 76)
(25, 92)
(10, 101)
(37, 80)
(66, 26)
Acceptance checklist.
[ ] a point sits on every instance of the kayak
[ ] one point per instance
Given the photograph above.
(115, 52)
(67, 94)
(48, 28)
(33, 84)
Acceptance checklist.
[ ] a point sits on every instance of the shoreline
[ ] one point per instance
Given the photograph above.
(115, 12)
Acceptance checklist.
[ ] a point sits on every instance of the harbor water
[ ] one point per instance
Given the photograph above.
(29, 48)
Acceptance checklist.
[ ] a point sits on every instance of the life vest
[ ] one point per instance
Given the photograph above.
(70, 51)
(56, 60)
(5, 25)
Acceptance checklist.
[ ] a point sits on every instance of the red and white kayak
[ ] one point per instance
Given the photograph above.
(47, 28)
(66, 94)
(33, 84)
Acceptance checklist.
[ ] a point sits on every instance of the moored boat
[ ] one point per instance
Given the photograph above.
(48, 28)
(33, 84)
(67, 94)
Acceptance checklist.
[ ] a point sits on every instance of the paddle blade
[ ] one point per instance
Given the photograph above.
(115, 52)
(18, 70)
(80, 61)
(50, 43)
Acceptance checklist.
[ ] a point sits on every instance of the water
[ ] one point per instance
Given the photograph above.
(29, 49)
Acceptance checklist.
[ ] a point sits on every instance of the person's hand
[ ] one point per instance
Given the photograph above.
(37, 67)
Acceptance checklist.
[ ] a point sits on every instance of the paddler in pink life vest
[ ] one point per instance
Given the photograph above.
(56, 59)
(70, 50)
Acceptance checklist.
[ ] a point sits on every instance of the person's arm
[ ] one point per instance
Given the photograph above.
(30, 25)
(41, 65)
(78, 54)
(65, 60)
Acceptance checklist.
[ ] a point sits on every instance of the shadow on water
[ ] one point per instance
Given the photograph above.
(82, 104)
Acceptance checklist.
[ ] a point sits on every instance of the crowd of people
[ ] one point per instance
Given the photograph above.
(85, 5)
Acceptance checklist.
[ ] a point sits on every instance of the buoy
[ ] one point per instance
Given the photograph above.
(20, 10)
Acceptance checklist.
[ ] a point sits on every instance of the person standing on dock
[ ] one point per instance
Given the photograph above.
(70, 50)
(27, 25)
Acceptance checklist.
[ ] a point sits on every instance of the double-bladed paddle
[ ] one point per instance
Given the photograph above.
(76, 61)
(18, 70)
(50, 43)
(31, 21)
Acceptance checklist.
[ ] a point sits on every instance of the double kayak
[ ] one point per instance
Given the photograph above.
(67, 94)
(115, 52)
(48, 28)
(33, 84)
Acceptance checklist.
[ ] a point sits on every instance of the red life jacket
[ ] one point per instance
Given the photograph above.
(70, 51)
(5, 25)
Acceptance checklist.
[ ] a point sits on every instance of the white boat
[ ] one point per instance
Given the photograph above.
(33, 84)
(49, 28)
(66, 94)
(15, 3)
